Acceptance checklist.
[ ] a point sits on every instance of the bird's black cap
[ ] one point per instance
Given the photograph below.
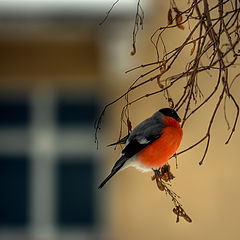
(170, 113)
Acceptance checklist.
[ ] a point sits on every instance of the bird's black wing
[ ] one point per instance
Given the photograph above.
(136, 145)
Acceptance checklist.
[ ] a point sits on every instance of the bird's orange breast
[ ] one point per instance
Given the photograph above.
(159, 152)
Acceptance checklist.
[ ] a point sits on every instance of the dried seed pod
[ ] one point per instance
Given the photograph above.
(167, 177)
(163, 67)
(159, 83)
(175, 210)
(179, 21)
(129, 124)
(171, 103)
(160, 185)
(187, 218)
(179, 18)
(166, 174)
(153, 177)
(193, 48)
(170, 18)
(165, 168)
(133, 52)
(179, 211)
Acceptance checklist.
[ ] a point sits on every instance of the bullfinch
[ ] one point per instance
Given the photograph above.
(151, 143)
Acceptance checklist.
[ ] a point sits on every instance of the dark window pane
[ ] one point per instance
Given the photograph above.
(14, 178)
(75, 193)
(77, 111)
(14, 112)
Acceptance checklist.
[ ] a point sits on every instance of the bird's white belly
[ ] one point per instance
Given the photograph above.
(132, 162)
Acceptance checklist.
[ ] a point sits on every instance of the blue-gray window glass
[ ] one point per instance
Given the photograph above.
(77, 112)
(14, 191)
(75, 193)
(14, 112)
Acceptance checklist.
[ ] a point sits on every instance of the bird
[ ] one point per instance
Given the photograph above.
(151, 143)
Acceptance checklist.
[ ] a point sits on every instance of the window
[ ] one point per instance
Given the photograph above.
(14, 112)
(49, 179)
(77, 111)
(14, 191)
(75, 192)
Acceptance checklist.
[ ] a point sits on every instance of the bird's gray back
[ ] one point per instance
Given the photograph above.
(148, 128)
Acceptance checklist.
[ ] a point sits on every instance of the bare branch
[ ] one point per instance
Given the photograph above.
(109, 11)
(214, 33)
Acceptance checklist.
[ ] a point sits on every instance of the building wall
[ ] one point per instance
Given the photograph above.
(74, 71)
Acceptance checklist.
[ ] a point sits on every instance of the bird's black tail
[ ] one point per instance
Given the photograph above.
(118, 165)
(121, 141)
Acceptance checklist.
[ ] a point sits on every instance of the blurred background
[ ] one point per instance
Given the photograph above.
(58, 68)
